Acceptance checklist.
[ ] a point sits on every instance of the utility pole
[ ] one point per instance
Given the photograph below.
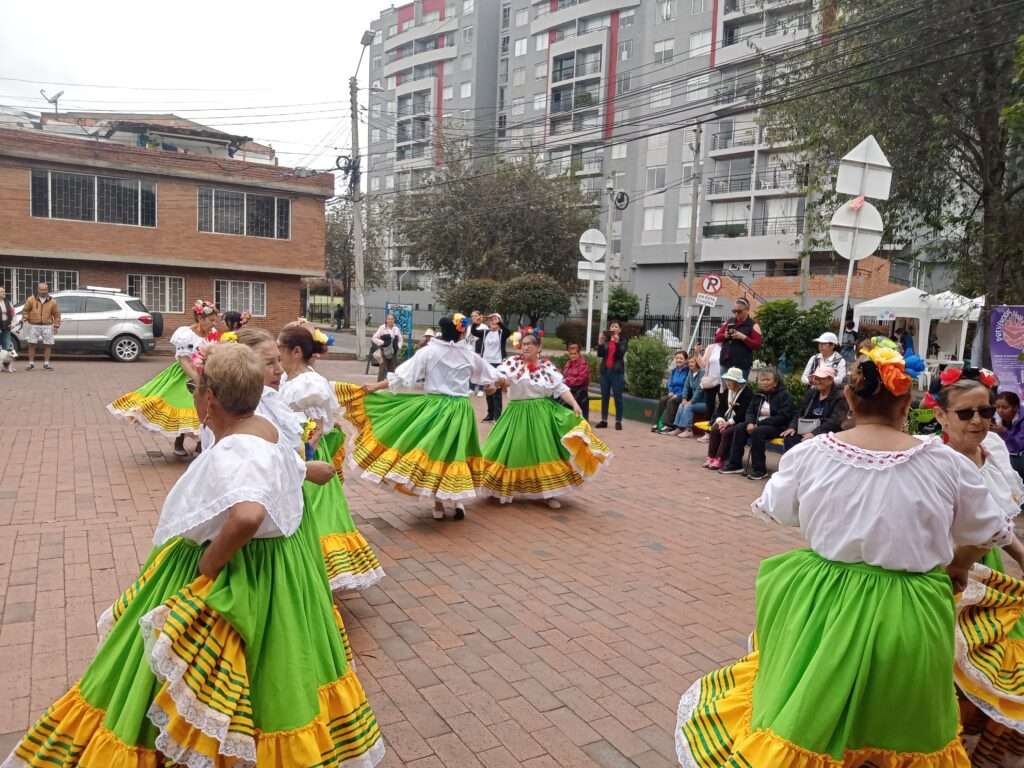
(612, 261)
(358, 283)
(691, 253)
(805, 254)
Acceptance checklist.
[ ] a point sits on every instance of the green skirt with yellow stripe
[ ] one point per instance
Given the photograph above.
(852, 665)
(246, 669)
(163, 404)
(540, 450)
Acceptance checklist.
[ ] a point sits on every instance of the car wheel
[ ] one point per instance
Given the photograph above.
(126, 349)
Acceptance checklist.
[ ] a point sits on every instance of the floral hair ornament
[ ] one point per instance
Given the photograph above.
(460, 321)
(199, 360)
(244, 319)
(987, 378)
(203, 308)
(319, 336)
(214, 336)
(891, 369)
(229, 337)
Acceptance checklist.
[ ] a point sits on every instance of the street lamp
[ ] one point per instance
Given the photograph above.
(359, 280)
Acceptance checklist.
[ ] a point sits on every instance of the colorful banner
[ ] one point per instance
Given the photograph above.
(1006, 344)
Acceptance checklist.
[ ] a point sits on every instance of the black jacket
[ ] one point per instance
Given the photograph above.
(835, 411)
(619, 364)
(481, 333)
(739, 410)
(780, 404)
(6, 315)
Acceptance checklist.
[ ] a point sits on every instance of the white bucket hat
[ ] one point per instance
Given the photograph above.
(827, 338)
(734, 374)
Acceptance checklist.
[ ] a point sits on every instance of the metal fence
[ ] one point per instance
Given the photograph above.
(674, 324)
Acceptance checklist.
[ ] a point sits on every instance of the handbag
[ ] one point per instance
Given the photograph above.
(803, 426)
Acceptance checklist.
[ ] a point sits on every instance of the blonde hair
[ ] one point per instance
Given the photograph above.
(234, 374)
(253, 337)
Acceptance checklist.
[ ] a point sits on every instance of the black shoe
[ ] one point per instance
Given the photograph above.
(728, 470)
(460, 512)
(618, 425)
(655, 428)
(601, 425)
(487, 418)
(755, 475)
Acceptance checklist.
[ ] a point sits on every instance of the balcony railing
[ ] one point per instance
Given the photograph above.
(742, 6)
(728, 139)
(781, 178)
(586, 99)
(562, 73)
(730, 92)
(716, 229)
(718, 185)
(561, 106)
(584, 68)
(778, 225)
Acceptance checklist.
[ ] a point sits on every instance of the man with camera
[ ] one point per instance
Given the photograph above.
(740, 337)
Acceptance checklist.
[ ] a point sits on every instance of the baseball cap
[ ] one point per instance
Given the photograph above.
(827, 338)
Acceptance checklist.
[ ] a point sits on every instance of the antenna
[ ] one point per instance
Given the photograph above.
(53, 100)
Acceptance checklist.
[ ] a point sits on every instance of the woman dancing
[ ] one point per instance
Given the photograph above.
(537, 449)
(990, 635)
(224, 652)
(348, 557)
(852, 657)
(163, 404)
(420, 438)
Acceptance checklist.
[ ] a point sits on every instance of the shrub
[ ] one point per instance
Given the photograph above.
(646, 362)
(622, 304)
(789, 332)
(795, 387)
(468, 295)
(532, 297)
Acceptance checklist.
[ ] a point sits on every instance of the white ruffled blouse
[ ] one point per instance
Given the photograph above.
(443, 368)
(186, 341)
(900, 510)
(312, 394)
(274, 409)
(236, 469)
(523, 384)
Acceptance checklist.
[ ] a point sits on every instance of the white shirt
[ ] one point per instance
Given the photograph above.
(274, 409)
(1001, 479)
(900, 510)
(393, 331)
(442, 368)
(186, 341)
(311, 394)
(523, 384)
(236, 469)
(836, 360)
(712, 367)
(492, 346)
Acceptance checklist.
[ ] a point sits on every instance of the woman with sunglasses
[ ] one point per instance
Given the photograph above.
(990, 637)
(350, 560)
(162, 404)
(225, 650)
(852, 654)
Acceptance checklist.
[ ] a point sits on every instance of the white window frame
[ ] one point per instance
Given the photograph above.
(627, 18)
(466, 90)
(540, 102)
(151, 305)
(521, 47)
(620, 151)
(654, 215)
(703, 36)
(664, 50)
(697, 87)
(661, 97)
(467, 7)
(245, 213)
(684, 214)
(221, 285)
(522, 17)
(467, 34)
(625, 50)
(541, 42)
(699, 6)
(540, 71)
(519, 76)
(666, 11)
(58, 279)
(657, 178)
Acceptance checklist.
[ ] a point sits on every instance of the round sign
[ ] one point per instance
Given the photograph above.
(711, 284)
(593, 245)
(856, 233)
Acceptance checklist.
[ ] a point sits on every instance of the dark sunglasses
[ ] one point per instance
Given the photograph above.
(191, 386)
(985, 412)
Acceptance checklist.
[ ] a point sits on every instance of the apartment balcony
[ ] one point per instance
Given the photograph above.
(428, 29)
(418, 59)
(732, 92)
(779, 180)
(418, 133)
(728, 143)
(545, 19)
(782, 226)
(589, 166)
(409, 86)
(724, 187)
(561, 74)
(716, 229)
(588, 68)
(780, 31)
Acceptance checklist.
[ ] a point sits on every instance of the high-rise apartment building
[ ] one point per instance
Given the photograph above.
(612, 90)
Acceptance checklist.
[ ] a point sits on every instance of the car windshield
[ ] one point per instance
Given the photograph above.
(137, 305)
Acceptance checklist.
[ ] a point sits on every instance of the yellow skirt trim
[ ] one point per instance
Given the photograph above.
(351, 562)
(340, 624)
(415, 473)
(713, 730)
(71, 734)
(587, 452)
(542, 481)
(109, 617)
(155, 414)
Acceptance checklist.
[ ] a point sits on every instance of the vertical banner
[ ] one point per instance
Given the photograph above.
(1006, 343)
(403, 319)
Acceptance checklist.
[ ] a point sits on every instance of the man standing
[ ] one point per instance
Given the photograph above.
(6, 321)
(41, 317)
(740, 338)
(339, 316)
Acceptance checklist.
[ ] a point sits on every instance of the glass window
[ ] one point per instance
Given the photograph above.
(506, 16)
(663, 51)
(661, 97)
(467, 34)
(284, 218)
(700, 43)
(699, 6)
(389, 182)
(448, 93)
(236, 213)
(540, 71)
(522, 46)
(160, 293)
(147, 199)
(40, 193)
(72, 196)
(653, 220)
(619, 151)
(666, 10)
(392, 30)
(241, 296)
(656, 178)
(623, 84)
(522, 17)
(466, 90)
(97, 304)
(540, 42)
(228, 209)
(378, 37)
(519, 76)
(71, 305)
(118, 200)
(625, 50)
(467, 6)
(466, 62)
(22, 283)
(449, 67)
(626, 18)
(259, 216)
(697, 88)
(539, 102)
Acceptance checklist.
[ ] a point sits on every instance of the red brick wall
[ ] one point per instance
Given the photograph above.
(870, 280)
(283, 299)
(176, 236)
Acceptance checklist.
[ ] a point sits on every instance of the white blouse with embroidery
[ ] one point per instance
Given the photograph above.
(186, 341)
(442, 368)
(544, 380)
(236, 469)
(900, 510)
(272, 407)
(312, 394)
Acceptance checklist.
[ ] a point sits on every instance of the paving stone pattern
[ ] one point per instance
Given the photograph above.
(521, 636)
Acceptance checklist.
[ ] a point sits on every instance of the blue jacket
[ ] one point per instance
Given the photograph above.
(691, 389)
(677, 380)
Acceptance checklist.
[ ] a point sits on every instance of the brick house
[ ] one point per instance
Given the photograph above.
(164, 226)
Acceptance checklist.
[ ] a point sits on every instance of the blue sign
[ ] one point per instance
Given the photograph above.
(403, 319)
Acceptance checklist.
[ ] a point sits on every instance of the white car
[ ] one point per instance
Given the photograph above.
(101, 320)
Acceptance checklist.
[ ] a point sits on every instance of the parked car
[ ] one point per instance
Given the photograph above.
(102, 320)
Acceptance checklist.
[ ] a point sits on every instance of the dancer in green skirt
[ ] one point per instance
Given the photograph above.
(350, 560)
(163, 403)
(224, 652)
(538, 449)
(420, 438)
(852, 655)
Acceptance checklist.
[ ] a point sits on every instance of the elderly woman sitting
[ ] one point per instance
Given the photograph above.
(692, 403)
(823, 409)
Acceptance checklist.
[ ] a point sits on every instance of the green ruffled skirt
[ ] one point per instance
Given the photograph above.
(163, 404)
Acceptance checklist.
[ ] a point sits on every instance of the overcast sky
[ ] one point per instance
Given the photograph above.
(241, 67)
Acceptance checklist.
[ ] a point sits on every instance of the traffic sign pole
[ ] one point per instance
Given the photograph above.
(593, 245)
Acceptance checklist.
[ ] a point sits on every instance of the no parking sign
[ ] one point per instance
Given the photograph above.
(711, 284)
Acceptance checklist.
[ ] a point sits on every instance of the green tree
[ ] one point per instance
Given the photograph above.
(932, 83)
(646, 365)
(499, 222)
(467, 295)
(339, 258)
(622, 304)
(789, 331)
(532, 297)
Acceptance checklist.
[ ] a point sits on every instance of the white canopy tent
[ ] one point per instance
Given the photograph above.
(951, 311)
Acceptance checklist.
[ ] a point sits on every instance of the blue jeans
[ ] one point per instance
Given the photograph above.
(686, 415)
(6, 341)
(612, 383)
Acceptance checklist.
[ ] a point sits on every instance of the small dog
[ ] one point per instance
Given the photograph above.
(7, 357)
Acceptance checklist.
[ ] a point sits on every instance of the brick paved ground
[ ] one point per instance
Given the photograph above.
(522, 636)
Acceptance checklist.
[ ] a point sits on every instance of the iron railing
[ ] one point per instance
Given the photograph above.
(717, 185)
(778, 225)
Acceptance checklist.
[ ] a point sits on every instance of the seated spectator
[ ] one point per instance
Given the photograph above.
(823, 409)
(670, 402)
(730, 410)
(770, 412)
(693, 403)
(826, 355)
(576, 374)
(1011, 428)
(712, 381)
